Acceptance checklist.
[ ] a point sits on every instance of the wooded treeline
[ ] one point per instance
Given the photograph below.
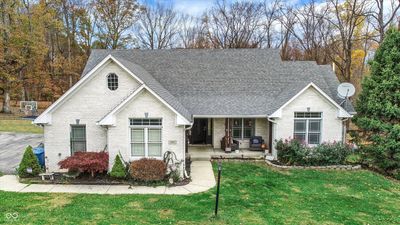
(44, 44)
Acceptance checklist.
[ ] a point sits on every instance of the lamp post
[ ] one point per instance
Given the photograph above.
(218, 184)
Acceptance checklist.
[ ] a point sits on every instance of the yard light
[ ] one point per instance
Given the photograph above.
(218, 184)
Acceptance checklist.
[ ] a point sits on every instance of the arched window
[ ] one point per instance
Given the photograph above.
(112, 81)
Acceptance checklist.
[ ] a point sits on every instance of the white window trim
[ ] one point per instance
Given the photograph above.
(307, 128)
(146, 141)
(242, 129)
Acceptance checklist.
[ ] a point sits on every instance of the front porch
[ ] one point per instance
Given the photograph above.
(207, 152)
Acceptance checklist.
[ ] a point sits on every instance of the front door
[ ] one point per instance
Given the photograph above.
(199, 131)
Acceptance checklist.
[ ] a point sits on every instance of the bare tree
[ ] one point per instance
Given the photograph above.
(382, 19)
(114, 18)
(157, 27)
(193, 32)
(287, 21)
(272, 13)
(235, 25)
(343, 20)
(307, 31)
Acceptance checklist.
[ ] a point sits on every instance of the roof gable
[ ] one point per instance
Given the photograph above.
(110, 120)
(45, 117)
(342, 113)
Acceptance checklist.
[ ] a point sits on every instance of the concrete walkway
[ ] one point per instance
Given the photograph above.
(202, 180)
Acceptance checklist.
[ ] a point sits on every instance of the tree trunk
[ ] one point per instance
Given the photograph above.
(6, 102)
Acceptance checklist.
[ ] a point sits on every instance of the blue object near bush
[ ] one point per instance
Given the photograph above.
(39, 152)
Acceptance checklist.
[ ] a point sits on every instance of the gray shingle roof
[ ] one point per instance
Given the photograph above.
(222, 82)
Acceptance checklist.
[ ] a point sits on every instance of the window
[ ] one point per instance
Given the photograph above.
(145, 122)
(78, 138)
(112, 81)
(242, 128)
(146, 137)
(307, 127)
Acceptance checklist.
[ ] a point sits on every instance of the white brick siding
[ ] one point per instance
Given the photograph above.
(331, 127)
(89, 104)
(173, 136)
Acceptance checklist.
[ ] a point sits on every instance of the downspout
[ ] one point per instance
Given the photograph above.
(344, 130)
(272, 131)
(185, 174)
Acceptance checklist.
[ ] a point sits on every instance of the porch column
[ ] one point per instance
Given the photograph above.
(228, 138)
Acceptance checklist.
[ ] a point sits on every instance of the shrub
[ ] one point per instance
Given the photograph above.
(292, 152)
(331, 153)
(118, 169)
(148, 169)
(91, 162)
(29, 160)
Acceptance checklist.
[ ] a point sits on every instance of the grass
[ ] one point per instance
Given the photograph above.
(19, 126)
(250, 194)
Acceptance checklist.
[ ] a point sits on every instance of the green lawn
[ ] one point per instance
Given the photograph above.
(250, 194)
(19, 126)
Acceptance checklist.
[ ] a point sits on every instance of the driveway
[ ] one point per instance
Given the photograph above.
(12, 146)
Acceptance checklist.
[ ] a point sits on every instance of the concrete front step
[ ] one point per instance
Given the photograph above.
(225, 156)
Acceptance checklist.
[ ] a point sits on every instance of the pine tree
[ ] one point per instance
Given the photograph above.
(118, 169)
(378, 108)
(29, 160)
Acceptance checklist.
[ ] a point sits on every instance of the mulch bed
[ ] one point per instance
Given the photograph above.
(99, 179)
(281, 165)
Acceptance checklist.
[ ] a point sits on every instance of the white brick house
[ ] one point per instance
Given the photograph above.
(144, 103)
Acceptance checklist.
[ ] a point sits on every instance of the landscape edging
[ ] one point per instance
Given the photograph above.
(332, 167)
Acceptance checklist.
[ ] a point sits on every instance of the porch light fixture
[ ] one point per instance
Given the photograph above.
(308, 109)
(77, 121)
(146, 115)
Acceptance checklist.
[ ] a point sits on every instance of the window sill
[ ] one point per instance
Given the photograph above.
(133, 158)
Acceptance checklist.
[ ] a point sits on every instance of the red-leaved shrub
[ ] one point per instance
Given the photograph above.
(148, 169)
(91, 162)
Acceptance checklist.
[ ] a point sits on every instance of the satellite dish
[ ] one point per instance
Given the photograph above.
(345, 90)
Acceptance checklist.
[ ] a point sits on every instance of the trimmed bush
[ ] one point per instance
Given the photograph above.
(118, 169)
(148, 170)
(90, 162)
(29, 160)
(292, 152)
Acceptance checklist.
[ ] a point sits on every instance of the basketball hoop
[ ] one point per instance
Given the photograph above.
(28, 107)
